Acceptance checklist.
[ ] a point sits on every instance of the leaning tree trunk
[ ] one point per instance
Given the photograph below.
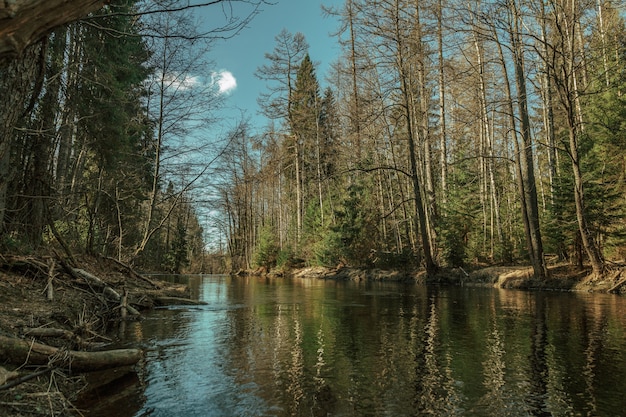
(25, 22)
(569, 94)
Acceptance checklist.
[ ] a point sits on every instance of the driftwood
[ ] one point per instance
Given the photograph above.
(107, 290)
(19, 351)
(170, 301)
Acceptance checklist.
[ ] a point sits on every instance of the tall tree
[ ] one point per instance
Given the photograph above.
(277, 103)
(565, 58)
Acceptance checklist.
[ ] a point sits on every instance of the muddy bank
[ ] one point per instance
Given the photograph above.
(56, 319)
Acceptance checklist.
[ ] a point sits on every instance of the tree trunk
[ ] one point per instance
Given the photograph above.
(526, 155)
(24, 22)
(420, 212)
(570, 99)
(442, 107)
(16, 87)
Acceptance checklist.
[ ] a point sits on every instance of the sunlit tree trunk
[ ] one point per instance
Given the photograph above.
(526, 155)
(443, 143)
(420, 212)
(422, 111)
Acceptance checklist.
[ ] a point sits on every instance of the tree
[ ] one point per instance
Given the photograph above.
(176, 104)
(565, 57)
(80, 125)
(277, 104)
(305, 126)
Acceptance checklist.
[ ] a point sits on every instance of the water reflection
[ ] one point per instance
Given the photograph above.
(314, 348)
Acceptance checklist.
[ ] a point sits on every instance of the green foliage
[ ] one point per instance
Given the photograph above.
(267, 249)
(458, 239)
(391, 260)
(330, 250)
(601, 153)
(284, 258)
(177, 256)
(355, 226)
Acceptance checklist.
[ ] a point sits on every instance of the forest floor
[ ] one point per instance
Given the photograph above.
(84, 318)
(82, 315)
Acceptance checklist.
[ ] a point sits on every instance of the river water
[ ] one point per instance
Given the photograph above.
(282, 347)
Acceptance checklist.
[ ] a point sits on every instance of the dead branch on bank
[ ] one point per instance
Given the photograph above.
(25, 264)
(130, 271)
(619, 283)
(107, 290)
(26, 378)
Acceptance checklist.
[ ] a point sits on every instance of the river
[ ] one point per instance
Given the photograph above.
(282, 347)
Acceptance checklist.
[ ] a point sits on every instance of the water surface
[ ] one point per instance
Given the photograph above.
(263, 347)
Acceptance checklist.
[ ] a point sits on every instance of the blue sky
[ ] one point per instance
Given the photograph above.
(242, 55)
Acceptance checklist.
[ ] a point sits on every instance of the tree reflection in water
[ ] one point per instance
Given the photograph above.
(317, 348)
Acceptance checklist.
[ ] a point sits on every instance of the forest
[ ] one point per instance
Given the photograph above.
(446, 134)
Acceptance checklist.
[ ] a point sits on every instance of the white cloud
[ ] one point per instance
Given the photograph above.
(225, 81)
(176, 80)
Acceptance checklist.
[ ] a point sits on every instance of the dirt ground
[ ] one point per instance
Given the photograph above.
(77, 307)
(88, 316)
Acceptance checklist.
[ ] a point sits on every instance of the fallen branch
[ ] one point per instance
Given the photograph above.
(26, 378)
(19, 351)
(24, 263)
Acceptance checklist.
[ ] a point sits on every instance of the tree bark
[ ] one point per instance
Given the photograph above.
(25, 22)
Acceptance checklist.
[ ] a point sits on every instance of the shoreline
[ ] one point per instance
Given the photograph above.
(563, 277)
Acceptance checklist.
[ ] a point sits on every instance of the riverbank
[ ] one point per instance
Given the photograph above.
(54, 315)
(563, 277)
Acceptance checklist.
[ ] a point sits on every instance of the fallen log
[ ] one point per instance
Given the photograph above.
(19, 351)
(42, 332)
(49, 332)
